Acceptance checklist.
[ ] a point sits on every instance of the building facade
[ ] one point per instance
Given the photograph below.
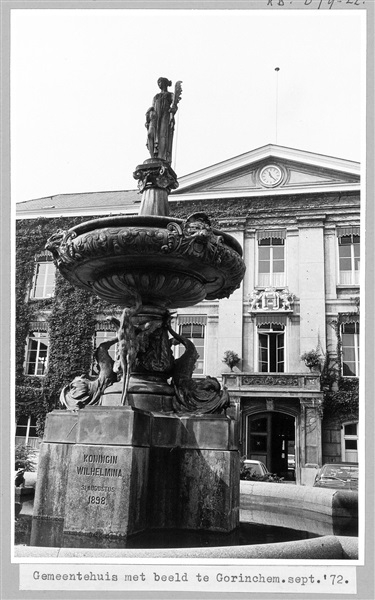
(297, 217)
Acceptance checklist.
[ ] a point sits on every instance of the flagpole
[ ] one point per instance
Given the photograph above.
(277, 69)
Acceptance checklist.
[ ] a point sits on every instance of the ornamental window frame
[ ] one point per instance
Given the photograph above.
(272, 239)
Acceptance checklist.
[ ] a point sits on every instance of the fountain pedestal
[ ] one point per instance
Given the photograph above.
(120, 470)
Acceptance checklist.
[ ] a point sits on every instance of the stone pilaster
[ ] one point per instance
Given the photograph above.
(310, 439)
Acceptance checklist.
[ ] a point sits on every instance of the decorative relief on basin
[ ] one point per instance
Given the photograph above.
(155, 287)
(175, 265)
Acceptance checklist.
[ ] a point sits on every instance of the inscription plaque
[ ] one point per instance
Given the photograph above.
(104, 489)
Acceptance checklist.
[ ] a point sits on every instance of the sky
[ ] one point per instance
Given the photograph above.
(82, 80)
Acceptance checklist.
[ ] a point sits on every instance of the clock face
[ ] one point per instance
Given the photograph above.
(271, 175)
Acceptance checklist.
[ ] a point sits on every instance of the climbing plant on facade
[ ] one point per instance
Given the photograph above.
(71, 315)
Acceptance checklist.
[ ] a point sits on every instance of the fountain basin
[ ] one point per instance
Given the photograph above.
(171, 263)
(324, 548)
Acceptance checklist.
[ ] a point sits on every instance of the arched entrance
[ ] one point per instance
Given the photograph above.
(271, 438)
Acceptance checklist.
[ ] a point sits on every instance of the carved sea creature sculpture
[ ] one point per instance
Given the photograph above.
(128, 342)
(85, 390)
(194, 396)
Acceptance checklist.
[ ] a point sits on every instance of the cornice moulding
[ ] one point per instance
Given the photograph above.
(313, 190)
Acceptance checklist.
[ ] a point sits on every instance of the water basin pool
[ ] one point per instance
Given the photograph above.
(256, 527)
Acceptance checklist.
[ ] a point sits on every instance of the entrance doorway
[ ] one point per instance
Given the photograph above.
(271, 439)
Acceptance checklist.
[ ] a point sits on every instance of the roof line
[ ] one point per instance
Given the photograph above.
(77, 194)
(259, 153)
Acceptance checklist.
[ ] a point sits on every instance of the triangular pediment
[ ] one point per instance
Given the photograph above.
(272, 169)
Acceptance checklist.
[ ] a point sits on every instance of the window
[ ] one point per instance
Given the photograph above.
(350, 442)
(271, 261)
(350, 349)
(37, 352)
(349, 258)
(26, 429)
(271, 348)
(44, 280)
(195, 333)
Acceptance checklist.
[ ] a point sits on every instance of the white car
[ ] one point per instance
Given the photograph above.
(256, 467)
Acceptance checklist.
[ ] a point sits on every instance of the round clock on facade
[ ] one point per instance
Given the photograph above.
(270, 175)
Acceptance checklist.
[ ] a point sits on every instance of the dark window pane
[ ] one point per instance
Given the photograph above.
(277, 242)
(349, 327)
(258, 443)
(350, 444)
(197, 331)
(350, 429)
(348, 370)
(345, 239)
(185, 330)
(259, 425)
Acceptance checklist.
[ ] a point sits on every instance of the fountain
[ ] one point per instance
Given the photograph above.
(154, 448)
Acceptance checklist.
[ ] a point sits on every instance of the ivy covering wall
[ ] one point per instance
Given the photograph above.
(71, 315)
(341, 394)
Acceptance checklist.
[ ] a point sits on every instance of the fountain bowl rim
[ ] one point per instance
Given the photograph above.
(145, 221)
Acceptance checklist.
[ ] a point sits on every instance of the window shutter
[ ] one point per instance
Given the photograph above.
(104, 326)
(271, 319)
(349, 318)
(348, 230)
(271, 233)
(38, 326)
(192, 319)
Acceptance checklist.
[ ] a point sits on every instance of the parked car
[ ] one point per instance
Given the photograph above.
(256, 468)
(338, 476)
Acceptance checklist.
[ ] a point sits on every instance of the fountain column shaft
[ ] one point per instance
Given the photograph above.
(156, 179)
(154, 202)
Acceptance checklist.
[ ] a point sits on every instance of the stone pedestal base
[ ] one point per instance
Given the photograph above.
(139, 395)
(117, 471)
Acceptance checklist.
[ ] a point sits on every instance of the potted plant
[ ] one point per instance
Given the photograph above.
(312, 360)
(231, 359)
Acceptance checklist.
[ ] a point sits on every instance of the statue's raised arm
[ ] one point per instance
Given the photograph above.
(160, 120)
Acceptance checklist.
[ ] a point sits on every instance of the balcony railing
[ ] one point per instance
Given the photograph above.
(274, 381)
